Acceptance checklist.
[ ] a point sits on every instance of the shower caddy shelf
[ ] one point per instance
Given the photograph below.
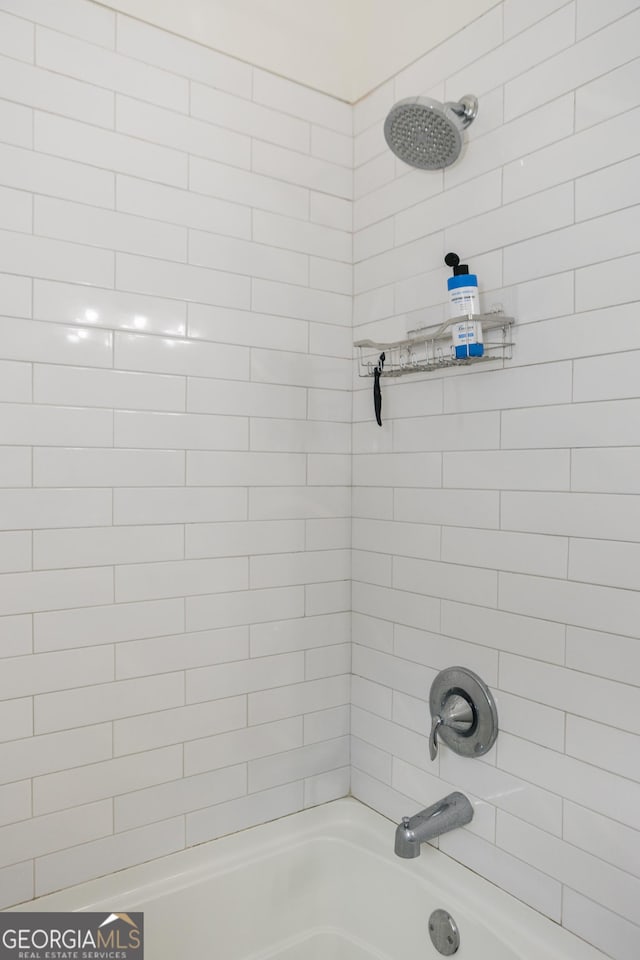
(429, 348)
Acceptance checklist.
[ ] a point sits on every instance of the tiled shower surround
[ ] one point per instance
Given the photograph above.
(179, 496)
(176, 380)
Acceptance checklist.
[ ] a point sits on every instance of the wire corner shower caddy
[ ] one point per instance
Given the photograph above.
(430, 348)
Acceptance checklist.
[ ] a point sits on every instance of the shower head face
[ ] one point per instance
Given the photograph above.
(425, 133)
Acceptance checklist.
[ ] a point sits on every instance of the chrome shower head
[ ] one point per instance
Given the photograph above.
(427, 134)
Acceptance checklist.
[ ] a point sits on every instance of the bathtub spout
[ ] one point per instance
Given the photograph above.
(447, 814)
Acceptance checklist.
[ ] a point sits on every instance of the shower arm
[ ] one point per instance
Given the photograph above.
(466, 109)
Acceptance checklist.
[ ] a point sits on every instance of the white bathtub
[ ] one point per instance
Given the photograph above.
(323, 884)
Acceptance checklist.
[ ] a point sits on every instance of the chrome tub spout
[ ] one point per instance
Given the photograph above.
(447, 814)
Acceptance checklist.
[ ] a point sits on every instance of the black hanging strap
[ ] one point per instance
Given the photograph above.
(377, 395)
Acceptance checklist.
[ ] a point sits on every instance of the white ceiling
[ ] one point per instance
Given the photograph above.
(342, 47)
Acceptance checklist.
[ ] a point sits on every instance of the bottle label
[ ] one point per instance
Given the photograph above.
(464, 300)
(468, 331)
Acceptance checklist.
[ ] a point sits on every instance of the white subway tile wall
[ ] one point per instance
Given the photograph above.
(175, 406)
(185, 244)
(495, 514)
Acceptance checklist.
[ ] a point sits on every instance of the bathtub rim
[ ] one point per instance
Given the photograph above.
(350, 822)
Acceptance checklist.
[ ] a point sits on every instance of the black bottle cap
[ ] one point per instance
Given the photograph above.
(453, 260)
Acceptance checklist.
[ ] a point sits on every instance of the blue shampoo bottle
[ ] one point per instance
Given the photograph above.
(463, 300)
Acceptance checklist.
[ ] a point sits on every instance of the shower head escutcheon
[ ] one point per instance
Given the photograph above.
(426, 133)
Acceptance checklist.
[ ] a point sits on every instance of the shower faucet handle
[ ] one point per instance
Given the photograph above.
(456, 713)
(433, 736)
